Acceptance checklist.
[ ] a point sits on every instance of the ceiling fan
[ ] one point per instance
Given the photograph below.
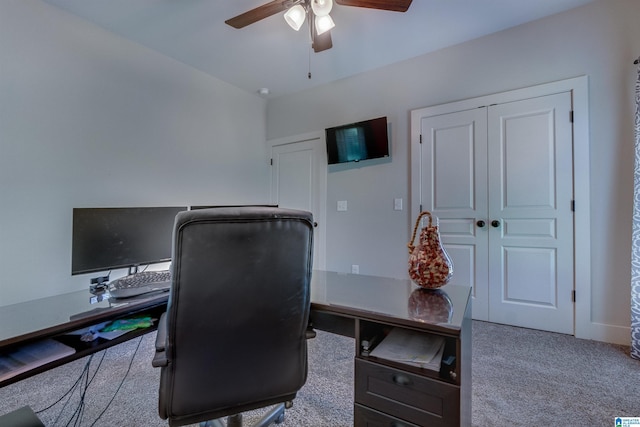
(316, 10)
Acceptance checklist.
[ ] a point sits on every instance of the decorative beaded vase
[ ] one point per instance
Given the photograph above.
(429, 264)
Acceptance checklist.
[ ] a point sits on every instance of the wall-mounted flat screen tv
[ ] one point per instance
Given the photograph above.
(358, 141)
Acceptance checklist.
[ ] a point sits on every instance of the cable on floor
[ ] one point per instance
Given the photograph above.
(121, 382)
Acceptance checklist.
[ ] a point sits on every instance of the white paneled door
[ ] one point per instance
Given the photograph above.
(500, 179)
(297, 182)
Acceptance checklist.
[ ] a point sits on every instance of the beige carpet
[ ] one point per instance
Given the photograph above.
(521, 377)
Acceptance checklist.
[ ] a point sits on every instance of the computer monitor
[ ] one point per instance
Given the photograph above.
(109, 238)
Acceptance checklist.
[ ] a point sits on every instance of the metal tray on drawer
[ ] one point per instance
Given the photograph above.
(414, 398)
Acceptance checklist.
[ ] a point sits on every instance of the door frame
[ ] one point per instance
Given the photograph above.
(321, 186)
(578, 88)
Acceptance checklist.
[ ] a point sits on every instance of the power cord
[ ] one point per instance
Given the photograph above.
(83, 382)
(76, 417)
(121, 382)
(74, 387)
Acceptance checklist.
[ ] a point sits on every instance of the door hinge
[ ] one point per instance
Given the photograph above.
(573, 296)
(573, 206)
(571, 116)
(271, 162)
(420, 138)
(420, 207)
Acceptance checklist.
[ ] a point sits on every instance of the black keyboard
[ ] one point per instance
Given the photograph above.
(140, 283)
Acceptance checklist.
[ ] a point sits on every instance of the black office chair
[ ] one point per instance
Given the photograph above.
(233, 338)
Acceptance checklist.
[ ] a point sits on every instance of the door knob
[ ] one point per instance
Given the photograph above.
(315, 224)
(495, 223)
(480, 223)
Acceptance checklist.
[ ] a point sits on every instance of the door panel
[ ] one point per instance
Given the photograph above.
(530, 193)
(454, 188)
(294, 175)
(453, 149)
(464, 262)
(530, 228)
(524, 270)
(527, 150)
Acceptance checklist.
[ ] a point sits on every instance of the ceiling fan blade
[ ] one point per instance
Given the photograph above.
(393, 5)
(322, 42)
(259, 13)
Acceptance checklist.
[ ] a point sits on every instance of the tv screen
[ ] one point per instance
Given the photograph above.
(358, 141)
(109, 238)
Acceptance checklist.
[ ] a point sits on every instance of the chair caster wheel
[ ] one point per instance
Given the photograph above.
(280, 419)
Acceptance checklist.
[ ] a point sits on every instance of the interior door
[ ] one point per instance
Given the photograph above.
(500, 179)
(296, 183)
(530, 213)
(454, 188)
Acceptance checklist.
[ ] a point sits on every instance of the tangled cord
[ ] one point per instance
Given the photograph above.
(83, 382)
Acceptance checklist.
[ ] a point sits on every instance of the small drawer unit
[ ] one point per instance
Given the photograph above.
(412, 366)
(405, 396)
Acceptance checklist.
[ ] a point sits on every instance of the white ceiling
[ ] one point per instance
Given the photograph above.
(269, 54)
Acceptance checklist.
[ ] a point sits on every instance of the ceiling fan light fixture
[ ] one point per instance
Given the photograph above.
(295, 16)
(321, 7)
(324, 24)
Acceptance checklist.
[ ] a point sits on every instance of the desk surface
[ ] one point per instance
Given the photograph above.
(389, 300)
(48, 316)
(379, 298)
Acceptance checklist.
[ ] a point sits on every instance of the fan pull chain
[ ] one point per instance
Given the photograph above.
(310, 42)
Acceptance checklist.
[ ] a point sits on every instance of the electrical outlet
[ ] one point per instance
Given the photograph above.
(355, 269)
(397, 204)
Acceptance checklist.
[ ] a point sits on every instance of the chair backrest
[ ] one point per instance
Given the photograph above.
(237, 312)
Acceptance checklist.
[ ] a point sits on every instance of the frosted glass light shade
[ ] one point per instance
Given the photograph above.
(321, 7)
(295, 16)
(324, 24)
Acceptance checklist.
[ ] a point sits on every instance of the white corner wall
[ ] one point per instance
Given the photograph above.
(90, 119)
(599, 40)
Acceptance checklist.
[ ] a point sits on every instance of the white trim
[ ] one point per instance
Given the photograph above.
(613, 334)
(584, 327)
(578, 86)
(321, 164)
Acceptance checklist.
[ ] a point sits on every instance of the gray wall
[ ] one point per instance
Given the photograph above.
(600, 40)
(89, 119)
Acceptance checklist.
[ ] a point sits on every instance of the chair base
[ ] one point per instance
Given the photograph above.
(275, 415)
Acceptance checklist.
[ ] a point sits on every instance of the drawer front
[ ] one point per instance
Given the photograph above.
(367, 417)
(419, 400)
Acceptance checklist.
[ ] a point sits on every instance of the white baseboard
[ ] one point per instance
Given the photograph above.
(609, 333)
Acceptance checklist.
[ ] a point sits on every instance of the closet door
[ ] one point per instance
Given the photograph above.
(530, 214)
(500, 179)
(454, 187)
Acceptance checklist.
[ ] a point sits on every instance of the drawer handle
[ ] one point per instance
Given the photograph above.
(401, 379)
